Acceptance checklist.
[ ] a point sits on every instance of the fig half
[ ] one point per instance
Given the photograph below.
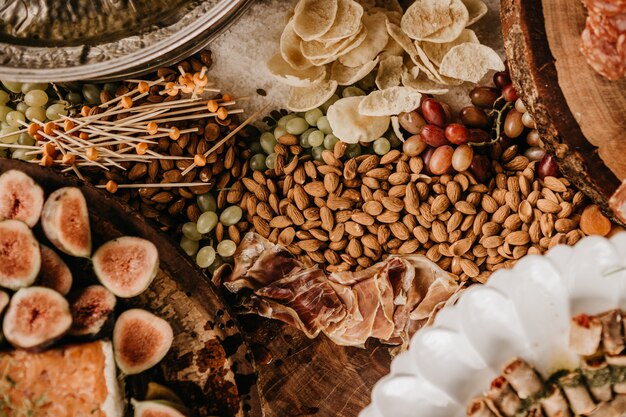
(36, 317)
(91, 309)
(155, 409)
(126, 265)
(20, 198)
(54, 272)
(140, 340)
(65, 221)
(20, 257)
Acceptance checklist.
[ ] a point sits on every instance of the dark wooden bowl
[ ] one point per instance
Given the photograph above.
(209, 365)
(581, 116)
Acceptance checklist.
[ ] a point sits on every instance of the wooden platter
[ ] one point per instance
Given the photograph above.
(580, 114)
(209, 365)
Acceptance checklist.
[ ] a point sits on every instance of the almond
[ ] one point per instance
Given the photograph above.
(373, 208)
(337, 233)
(392, 204)
(489, 204)
(295, 215)
(465, 207)
(338, 203)
(439, 232)
(330, 159)
(354, 248)
(280, 222)
(518, 238)
(548, 206)
(331, 182)
(390, 157)
(492, 241)
(319, 234)
(286, 236)
(439, 204)
(350, 169)
(399, 178)
(328, 169)
(315, 189)
(265, 211)
(354, 229)
(371, 242)
(369, 163)
(261, 226)
(378, 173)
(388, 216)
(383, 234)
(399, 230)
(309, 245)
(409, 247)
(362, 218)
(554, 184)
(469, 268)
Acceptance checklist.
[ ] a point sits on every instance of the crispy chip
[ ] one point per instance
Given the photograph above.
(375, 41)
(392, 48)
(436, 51)
(395, 125)
(307, 98)
(476, 8)
(391, 101)
(316, 50)
(350, 75)
(389, 72)
(460, 17)
(284, 72)
(290, 48)
(425, 17)
(470, 62)
(421, 83)
(352, 127)
(313, 18)
(347, 22)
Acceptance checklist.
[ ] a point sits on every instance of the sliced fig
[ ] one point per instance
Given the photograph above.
(54, 272)
(36, 317)
(140, 340)
(20, 257)
(91, 309)
(126, 265)
(20, 198)
(155, 409)
(65, 221)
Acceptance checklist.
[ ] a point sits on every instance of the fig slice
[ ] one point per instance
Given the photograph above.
(155, 409)
(36, 317)
(65, 221)
(91, 309)
(20, 257)
(140, 340)
(127, 265)
(54, 272)
(20, 198)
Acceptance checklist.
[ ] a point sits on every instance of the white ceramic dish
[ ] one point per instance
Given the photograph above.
(520, 312)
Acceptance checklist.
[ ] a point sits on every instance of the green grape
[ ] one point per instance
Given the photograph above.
(324, 125)
(91, 93)
(6, 131)
(21, 154)
(257, 162)
(4, 110)
(25, 139)
(297, 126)
(74, 98)
(255, 147)
(36, 98)
(207, 222)
(316, 138)
(282, 122)
(304, 137)
(270, 161)
(4, 97)
(352, 92)
(393, 140)
(190, 230)
(329, 103)
(36, 113)
(21, 106)
(312, 116)
(14, 118)
(317, 152)
(231, 215)
(13, 86)
(330, 141)
(381, 146)
(55, 111)
(226, 248)
(26, 87)
(279, 132)
(189, 246)
(267, 141)
(110, 88)
(353, 150)
(207, 202)
(205, 257)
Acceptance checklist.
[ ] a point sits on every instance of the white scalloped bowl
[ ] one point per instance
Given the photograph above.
(521, 312)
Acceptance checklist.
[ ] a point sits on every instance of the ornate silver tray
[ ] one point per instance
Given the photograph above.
(51, 40)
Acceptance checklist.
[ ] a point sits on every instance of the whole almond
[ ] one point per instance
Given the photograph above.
(319, 234)
(453, 191)
(465, 207)
(354, 229)
(343, 216)
(332, 257)
(337, 233)
(354, 248)
(369, 163)
(399, 178)
(547, 224)
(469, 268)
(460, 247)
(309, 245)
(286, 236)
(501, 214)
(399, 230)
(265, 211)
(349, 169)
(391, 156)
(409, 247)
(340, 149)
(439, 232)
(383, 234)
(330, 159)
(492, 241)
(315, 189)
(392, 204)
(548, 206)
(518, 238)
(300, 197)
(327, 218)
(373, 208)
(534, 231)
(363, 218)
(388, 216)
(331, 182)
(291, 166)
(338, 203)
(439, 204)
(565, 225)
(489, 204)
(554, 184)
(421, 234)
(280, 222)
(525, 211)
(378, 173)
(328, 169)
(295, 215)
(397, 191)
(411, 199)
(261, 226)
(310, 169)
(371, 242)
(454, 221)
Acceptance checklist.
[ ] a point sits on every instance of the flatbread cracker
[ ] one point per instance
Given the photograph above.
(350, 75)
(307, 98)
(350, 126)
(290, 48)
(470, 62)
(391, 101)
(373, 44)
(347, 21)
(285, 73)
(313, 18)
(389, 72)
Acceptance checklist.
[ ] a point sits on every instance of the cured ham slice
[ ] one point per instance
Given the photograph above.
(585, 334)
(387, 301)
(576, 393)
(554, 403)
(503, 397)
(523, 378)
(479, 408)
(598, 378)
(612, 336)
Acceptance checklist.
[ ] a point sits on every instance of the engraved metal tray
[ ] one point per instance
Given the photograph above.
(69, 40)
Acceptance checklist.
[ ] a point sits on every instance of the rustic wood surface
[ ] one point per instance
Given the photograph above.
(579, 114)
(209, 364)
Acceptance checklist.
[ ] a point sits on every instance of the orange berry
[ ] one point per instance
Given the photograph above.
(49, 128)
(92, 154)
(38, 137)
(84, 111)
(212, 106)
(46, 161)
(111, 186)
(199, 160)
(83, 135)
(33, 128)
(200, 81)
(68, 159)
(152, 128)
(68, 125)
(143, 87)
(141, 148)
(174, 133)
(222, 113)
(227, 97)
(49, 149)
(126, 102)
(171, 89)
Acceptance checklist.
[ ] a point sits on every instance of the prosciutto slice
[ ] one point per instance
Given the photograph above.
(388, 301)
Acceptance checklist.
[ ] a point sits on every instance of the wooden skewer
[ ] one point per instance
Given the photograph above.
(160, 185)
(194, 116)
(227, 137)
(130, 93)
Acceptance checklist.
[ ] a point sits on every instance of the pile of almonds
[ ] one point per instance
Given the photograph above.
(349, 215)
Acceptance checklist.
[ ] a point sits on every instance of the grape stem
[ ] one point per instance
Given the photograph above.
(499, 111)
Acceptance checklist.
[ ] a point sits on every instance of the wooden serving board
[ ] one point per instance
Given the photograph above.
(209, 365)
(581, 116)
